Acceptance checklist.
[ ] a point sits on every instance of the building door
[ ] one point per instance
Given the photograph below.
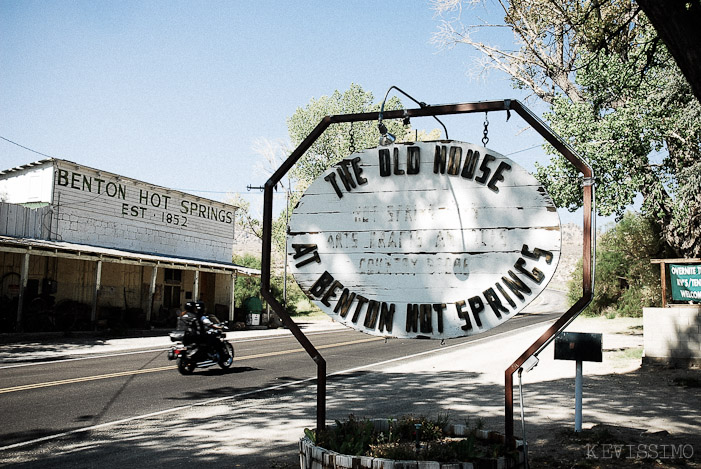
(172, 293)
(208, 290)
(171, 296)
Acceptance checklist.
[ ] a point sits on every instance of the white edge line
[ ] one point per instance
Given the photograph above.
(270, 388)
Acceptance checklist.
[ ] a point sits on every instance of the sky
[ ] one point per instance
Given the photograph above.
(180, 93)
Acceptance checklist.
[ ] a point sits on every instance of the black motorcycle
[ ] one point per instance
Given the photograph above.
(199, 349)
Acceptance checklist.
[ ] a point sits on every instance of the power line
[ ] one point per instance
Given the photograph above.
(26, 148)
(206, 191)
(521, 151)
(216, 192)
(184, 190)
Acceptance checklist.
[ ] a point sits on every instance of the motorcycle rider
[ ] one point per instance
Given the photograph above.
(208, 329)
(202, 343)
(188, 319)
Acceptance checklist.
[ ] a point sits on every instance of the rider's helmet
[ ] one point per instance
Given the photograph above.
(199, 307)
(190, 306)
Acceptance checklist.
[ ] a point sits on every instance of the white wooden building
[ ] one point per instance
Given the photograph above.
(70, 233)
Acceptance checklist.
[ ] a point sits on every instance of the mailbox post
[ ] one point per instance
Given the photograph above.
(580, 347)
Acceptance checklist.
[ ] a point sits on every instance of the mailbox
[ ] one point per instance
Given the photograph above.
(578, 346)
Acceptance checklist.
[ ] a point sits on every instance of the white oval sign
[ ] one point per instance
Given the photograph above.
(427, 240)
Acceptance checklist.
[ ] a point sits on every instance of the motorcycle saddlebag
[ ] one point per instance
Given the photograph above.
(177, 336)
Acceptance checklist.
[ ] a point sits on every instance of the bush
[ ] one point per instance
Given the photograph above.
(625, 280)
(359, 437)
(247, 287)
(352, 436)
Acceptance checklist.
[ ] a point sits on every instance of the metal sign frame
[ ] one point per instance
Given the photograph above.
(463, 108)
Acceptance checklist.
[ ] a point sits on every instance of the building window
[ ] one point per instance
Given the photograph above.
(173, 276)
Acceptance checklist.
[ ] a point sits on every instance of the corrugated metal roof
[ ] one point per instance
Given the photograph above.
(73, 250)
(26, 166)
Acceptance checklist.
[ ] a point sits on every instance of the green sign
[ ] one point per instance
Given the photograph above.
(686, 282)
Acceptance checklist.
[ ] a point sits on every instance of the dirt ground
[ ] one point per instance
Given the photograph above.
(633, 416)
(614, 446)
(658, 423)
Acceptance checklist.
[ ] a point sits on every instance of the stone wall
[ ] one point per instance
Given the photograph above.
(672, 336)
(316, 457)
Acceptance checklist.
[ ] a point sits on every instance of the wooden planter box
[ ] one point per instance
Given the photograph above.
(316, 457)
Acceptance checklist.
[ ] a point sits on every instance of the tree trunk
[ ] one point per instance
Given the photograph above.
(683, 239)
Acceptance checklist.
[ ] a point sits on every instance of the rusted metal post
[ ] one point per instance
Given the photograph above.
(563, 321)
(663, 279)
(266, 291)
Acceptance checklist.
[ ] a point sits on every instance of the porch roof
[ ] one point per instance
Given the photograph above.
(41, 247)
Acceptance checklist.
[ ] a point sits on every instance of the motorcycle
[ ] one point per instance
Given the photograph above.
(195, 350)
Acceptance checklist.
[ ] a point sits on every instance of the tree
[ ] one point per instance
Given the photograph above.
(247, 287)
(625, 280)
(339, 139)
(244, 219)
(616, 96)
(337, 142)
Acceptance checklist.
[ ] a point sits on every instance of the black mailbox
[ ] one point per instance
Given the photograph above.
(578, 346)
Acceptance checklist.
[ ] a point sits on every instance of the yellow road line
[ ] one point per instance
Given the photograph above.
(169, 367)
(83, 379)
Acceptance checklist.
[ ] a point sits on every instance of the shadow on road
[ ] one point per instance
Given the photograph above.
(647, 406)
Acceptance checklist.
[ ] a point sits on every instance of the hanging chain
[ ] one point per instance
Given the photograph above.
(351, 145)
(485, 133)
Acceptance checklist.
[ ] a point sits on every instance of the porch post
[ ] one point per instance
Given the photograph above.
(151, 293)
(96, 293)
(196, 286)
(24, 277)
(233, 296)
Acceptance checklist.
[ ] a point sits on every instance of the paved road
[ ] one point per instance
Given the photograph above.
(41, 400)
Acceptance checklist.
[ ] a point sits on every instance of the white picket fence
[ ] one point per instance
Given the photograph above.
(22, 222)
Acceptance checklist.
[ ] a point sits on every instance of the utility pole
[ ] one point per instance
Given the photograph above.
(287, 221)
(287, 226)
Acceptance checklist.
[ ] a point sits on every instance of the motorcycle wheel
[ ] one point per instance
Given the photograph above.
(185, 367)
(226, 361)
